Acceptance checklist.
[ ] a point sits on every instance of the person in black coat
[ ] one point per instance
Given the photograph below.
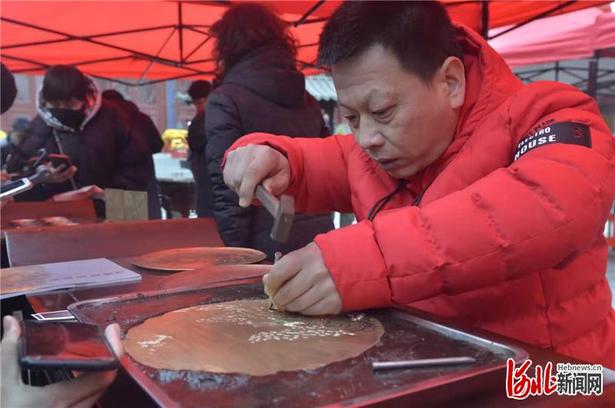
(140, 120)
(197, 141)
(8, 89)
(141, 126)
(260, 90)
(73, 120)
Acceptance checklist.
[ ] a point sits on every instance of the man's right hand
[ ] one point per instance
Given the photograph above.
(248, 166)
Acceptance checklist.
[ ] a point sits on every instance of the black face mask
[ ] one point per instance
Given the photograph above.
(69, 117)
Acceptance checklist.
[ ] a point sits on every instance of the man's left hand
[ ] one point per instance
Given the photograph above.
(300, 282)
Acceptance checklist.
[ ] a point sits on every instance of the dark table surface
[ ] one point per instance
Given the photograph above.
(125, 392)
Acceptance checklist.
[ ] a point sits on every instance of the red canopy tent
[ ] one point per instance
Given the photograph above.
(167, 39)
(565, 37)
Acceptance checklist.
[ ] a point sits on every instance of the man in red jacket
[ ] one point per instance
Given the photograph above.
(477, 198)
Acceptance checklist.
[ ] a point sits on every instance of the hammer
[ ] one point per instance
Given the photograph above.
(282, 210)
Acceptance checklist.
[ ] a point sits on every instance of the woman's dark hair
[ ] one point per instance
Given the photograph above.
(245, 27)
(419, 33)
(63, 82)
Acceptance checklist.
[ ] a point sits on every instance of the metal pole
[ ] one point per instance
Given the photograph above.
(536, 17)
(592, 76)
(171, 114)
(485, 19)
(181, 33)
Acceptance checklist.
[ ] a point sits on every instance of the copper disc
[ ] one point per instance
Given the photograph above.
(184, 259)
(211, 274)
(243, 336)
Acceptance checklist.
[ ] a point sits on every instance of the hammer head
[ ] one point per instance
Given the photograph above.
(283, 219)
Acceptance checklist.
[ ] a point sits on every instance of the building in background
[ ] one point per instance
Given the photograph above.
(165, 102)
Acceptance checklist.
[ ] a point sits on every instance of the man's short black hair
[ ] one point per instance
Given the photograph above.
(64, 82)
(199, 89)
(112, 95)
(419, 33)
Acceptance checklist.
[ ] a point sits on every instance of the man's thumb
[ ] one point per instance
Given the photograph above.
(276, 185)
(11, 372)
(12, 330)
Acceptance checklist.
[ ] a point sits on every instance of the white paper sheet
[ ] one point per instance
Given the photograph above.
(62, 275)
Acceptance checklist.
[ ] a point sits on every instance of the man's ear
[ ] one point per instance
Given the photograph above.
(454, 75)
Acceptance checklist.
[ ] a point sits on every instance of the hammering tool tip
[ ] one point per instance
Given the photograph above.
(276, 258)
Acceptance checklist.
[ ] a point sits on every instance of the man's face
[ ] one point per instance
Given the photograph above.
(199, 104)
(400, 121)
(73, 103)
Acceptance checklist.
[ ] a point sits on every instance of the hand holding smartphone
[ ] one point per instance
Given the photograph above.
(59, 161)
(82, 391)
(65, 345)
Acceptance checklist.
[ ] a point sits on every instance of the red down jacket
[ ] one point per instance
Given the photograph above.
(513, 245)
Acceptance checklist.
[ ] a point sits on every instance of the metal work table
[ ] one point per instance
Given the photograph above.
(125, 391)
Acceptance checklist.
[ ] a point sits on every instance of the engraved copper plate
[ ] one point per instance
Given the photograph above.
(243, 336)
(184, 259)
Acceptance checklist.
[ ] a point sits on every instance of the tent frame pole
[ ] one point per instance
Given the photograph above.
(536, 17)
(164, 61)
(592, 75)
(61, 40)
(312, 9)
(180, 27)
(485, 19)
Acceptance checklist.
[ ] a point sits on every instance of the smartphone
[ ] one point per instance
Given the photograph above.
(13, 188)
(65, 345)
(57, 160)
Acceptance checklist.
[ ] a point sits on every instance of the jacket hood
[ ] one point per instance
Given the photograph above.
(270, 72)
(489, 82)
(92, 105)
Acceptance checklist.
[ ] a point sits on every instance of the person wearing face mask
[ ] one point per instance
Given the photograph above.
(478, 198)
(74, 120)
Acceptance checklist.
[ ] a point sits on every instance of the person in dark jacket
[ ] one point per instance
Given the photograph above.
(197, 141)
(260, 90)
(146, 125)
(73, 120)
(9, 89)
(8, 146)
(141, 126)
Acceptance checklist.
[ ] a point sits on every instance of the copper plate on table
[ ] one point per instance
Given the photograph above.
(25, 222)
(212, 273)
(184, 259)
(58, 221)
